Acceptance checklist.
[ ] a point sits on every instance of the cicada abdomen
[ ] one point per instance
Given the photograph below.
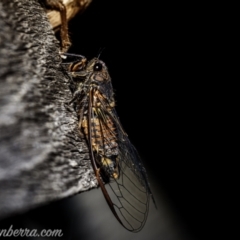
(103, 141)
(115, 160)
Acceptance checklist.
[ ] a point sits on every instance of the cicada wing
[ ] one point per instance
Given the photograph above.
(130, 191)
(128, 194)
(130, 198)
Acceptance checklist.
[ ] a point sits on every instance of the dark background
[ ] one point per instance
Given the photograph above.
(156, 90)
(154, 66)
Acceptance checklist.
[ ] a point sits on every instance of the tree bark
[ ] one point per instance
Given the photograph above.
(42, 157)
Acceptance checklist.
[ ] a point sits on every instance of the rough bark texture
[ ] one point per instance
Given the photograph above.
(42, 157)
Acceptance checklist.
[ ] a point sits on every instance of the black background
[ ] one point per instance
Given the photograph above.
(150, 57)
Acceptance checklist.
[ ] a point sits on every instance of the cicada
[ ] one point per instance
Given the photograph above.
(116, 163)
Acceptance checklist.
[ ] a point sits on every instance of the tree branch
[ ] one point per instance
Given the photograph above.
(42, 157)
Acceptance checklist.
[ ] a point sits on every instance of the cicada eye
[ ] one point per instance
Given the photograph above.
(97, 67)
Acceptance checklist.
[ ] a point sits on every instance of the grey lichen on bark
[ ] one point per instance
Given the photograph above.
(42, 157)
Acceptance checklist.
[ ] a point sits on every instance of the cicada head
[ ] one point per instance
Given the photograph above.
(99, 71)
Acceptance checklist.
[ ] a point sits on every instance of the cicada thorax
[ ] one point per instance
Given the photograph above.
(103, 136)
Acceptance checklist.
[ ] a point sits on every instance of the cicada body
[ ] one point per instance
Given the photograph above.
(115, 161)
